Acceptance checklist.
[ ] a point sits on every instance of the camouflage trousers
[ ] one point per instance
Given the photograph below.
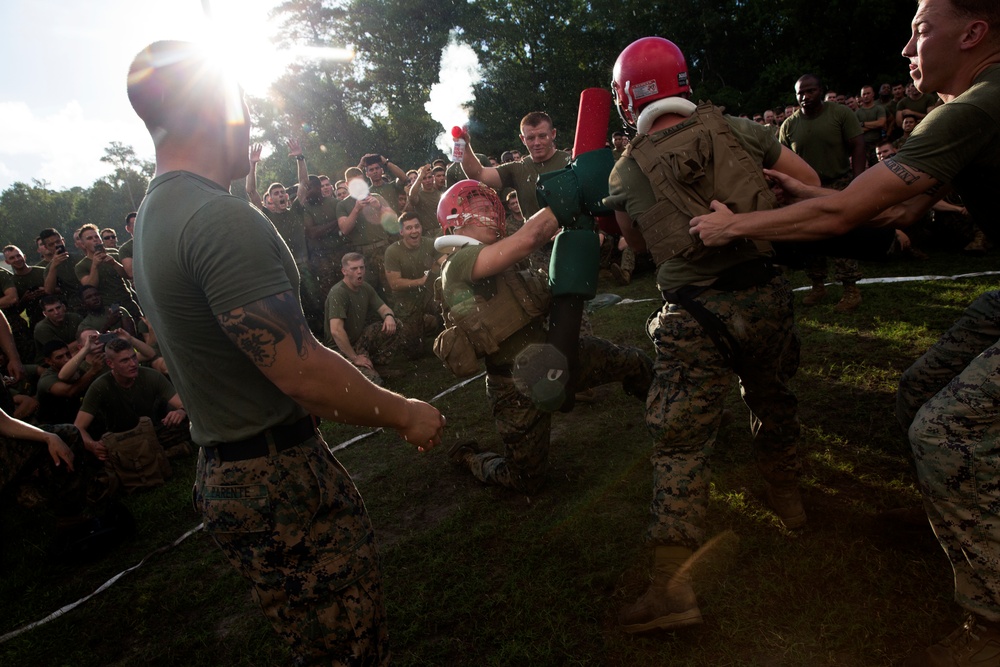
(844, 270)
(524, 429)
(294, 524)
(21, 459)
(685, 403)
(949, 400)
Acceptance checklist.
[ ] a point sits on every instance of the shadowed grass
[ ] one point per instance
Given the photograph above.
(480, 576)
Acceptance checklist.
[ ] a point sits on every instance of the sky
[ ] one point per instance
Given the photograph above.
(63, 96)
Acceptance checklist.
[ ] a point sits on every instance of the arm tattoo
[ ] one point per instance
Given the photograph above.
(258, 327)
(934, 190)
(904, 174)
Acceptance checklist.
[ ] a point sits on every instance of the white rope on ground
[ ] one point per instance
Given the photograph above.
(107, 584)
(908, 279)
(863, 281)
(110, 582)
(347, 443)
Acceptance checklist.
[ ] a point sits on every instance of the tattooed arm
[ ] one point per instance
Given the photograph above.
(884, 185)
(273, 333)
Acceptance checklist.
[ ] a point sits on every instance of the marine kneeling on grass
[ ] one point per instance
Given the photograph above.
(494, 308)
(133, 403)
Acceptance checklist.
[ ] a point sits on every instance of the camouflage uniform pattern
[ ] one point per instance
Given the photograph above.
(685, 404)
(378, 345)
(294, 524)
(20, 458)
(844, 270)
(949, 400)
(525, 430)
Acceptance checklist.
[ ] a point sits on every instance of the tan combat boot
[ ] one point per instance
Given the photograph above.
(851, 299)
(786, 502)
(669, 602)
(978, 246)
(976, 642)
(621, 276)
(815, 295)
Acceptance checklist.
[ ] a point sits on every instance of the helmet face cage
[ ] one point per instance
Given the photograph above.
(623, 103)
(471, 203)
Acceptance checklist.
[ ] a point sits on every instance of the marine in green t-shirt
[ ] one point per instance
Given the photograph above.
(538, 135)
(423, 200)
(827, 139)
(411, 265)
(58, 324)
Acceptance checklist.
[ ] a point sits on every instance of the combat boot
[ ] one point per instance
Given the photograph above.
(621, 276)
(976, 642)
(978, 247)
(786, 501)
(461, 452)
(637, 384)
(815, 295)
(850, 301)
(669, 602)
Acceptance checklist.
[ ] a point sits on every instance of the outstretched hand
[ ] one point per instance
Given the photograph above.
(255, 152)
(425, 425)
(788, 188)
(711, 228)
(59, 451)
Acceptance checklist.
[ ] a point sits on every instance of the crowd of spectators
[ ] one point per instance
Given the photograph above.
(363, 242)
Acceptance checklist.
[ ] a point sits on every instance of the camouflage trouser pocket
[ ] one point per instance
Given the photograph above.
(354, 615)
(236, 509)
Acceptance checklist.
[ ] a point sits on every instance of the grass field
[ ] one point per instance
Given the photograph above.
(481, 576)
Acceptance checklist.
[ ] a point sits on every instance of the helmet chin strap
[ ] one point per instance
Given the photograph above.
(678, 105)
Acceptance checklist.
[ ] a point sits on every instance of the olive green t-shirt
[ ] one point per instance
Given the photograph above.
(110, 284)
(523, 177)
(291, 228)
(426, 207)
(33, 279)
(824, 141)
(125, 251)
(411, 264)
(67, 282)
(118, 409)
(199, 253)
(331, 244)
(958, 143)
(459, 292)
(54, 409)
(99, 322)
(371, 222)
(868, 115)
(919, 105)
(356, 307)
(45, 331)
(390, 191)
(630, 191)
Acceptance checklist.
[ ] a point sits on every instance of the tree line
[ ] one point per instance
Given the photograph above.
(744, 54)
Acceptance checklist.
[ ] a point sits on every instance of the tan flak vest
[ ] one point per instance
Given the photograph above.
(476, 327)
(688, 166)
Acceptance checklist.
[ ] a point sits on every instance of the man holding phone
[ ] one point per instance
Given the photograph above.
(102, 270)
(60, 278)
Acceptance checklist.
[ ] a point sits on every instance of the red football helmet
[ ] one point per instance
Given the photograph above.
(470, 202)
(648, 69)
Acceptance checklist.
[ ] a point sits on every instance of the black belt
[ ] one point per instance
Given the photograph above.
(284, 437)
